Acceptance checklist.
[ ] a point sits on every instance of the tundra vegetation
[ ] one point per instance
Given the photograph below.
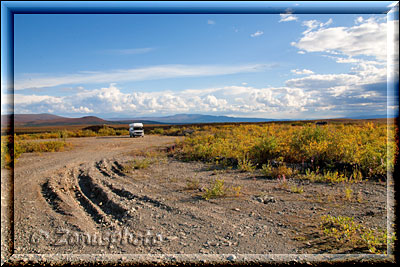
(347, 232)
(27, 143)
(329, 153)
(9, 156)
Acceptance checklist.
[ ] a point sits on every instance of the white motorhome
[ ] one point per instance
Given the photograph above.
(136, 129)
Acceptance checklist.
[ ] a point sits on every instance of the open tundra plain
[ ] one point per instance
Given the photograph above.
(115, 194)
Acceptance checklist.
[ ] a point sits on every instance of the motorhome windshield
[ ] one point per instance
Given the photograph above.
(137, 128)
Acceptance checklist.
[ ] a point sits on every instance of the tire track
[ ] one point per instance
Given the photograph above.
(93, 192)
(99, 196)
(53, 198)
(144, 200)
(88, 207)
(130, 196)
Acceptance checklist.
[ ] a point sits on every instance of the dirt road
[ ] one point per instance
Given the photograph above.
(84, 200)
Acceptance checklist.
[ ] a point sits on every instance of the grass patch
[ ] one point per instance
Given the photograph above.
(103, 130)
(218, 189)
(246, 165)
(348, 192)
(136, 164)
(347, 232)
(277, 172)
(13, 148)
(7, 157)
(297, 190)
(45, 146)
(330, 177)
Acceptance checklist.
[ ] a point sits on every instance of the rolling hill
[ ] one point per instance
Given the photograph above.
(36, 120)
(198, 118)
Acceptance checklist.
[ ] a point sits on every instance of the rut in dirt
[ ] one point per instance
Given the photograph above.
(53, 198)
(96, 191)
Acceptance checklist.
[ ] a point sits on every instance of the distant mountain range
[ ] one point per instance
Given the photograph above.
(367, 117)
(31, 120)
(196, 118)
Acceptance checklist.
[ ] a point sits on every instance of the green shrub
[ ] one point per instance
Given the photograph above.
(265, 150)
(6, 153)
(331, 176)
(361, 148)
(245, 164)
(216, 190)
(106, 131)
(295, 189)
(345, 231)
(158, 131)
(136, 164)
(46, 146)
(276, 172)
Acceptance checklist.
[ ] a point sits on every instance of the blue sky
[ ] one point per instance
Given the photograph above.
(290, 66)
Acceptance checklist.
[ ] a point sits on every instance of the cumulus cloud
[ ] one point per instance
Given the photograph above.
(294, 99)
(368, 39)
(81, 109)
(138, 74)
(257, 33)
(315, 24)
(364, 86)
(288, 17)
(302, 72)
(342, 84)
(359, 20)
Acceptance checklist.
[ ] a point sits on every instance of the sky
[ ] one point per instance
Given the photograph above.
(279, 66)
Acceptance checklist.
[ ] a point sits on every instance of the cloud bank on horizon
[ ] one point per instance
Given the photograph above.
(327, 66)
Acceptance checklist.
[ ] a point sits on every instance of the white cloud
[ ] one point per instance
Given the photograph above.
(211, 22)
(302, 72)
(214, 102)
(138, 74)
(359, 20)
(257, 33)
(81, 109)
(325, 81)
(314, 24)
(322, 93)
(288, 17)
(368, 38)
(33, 99)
